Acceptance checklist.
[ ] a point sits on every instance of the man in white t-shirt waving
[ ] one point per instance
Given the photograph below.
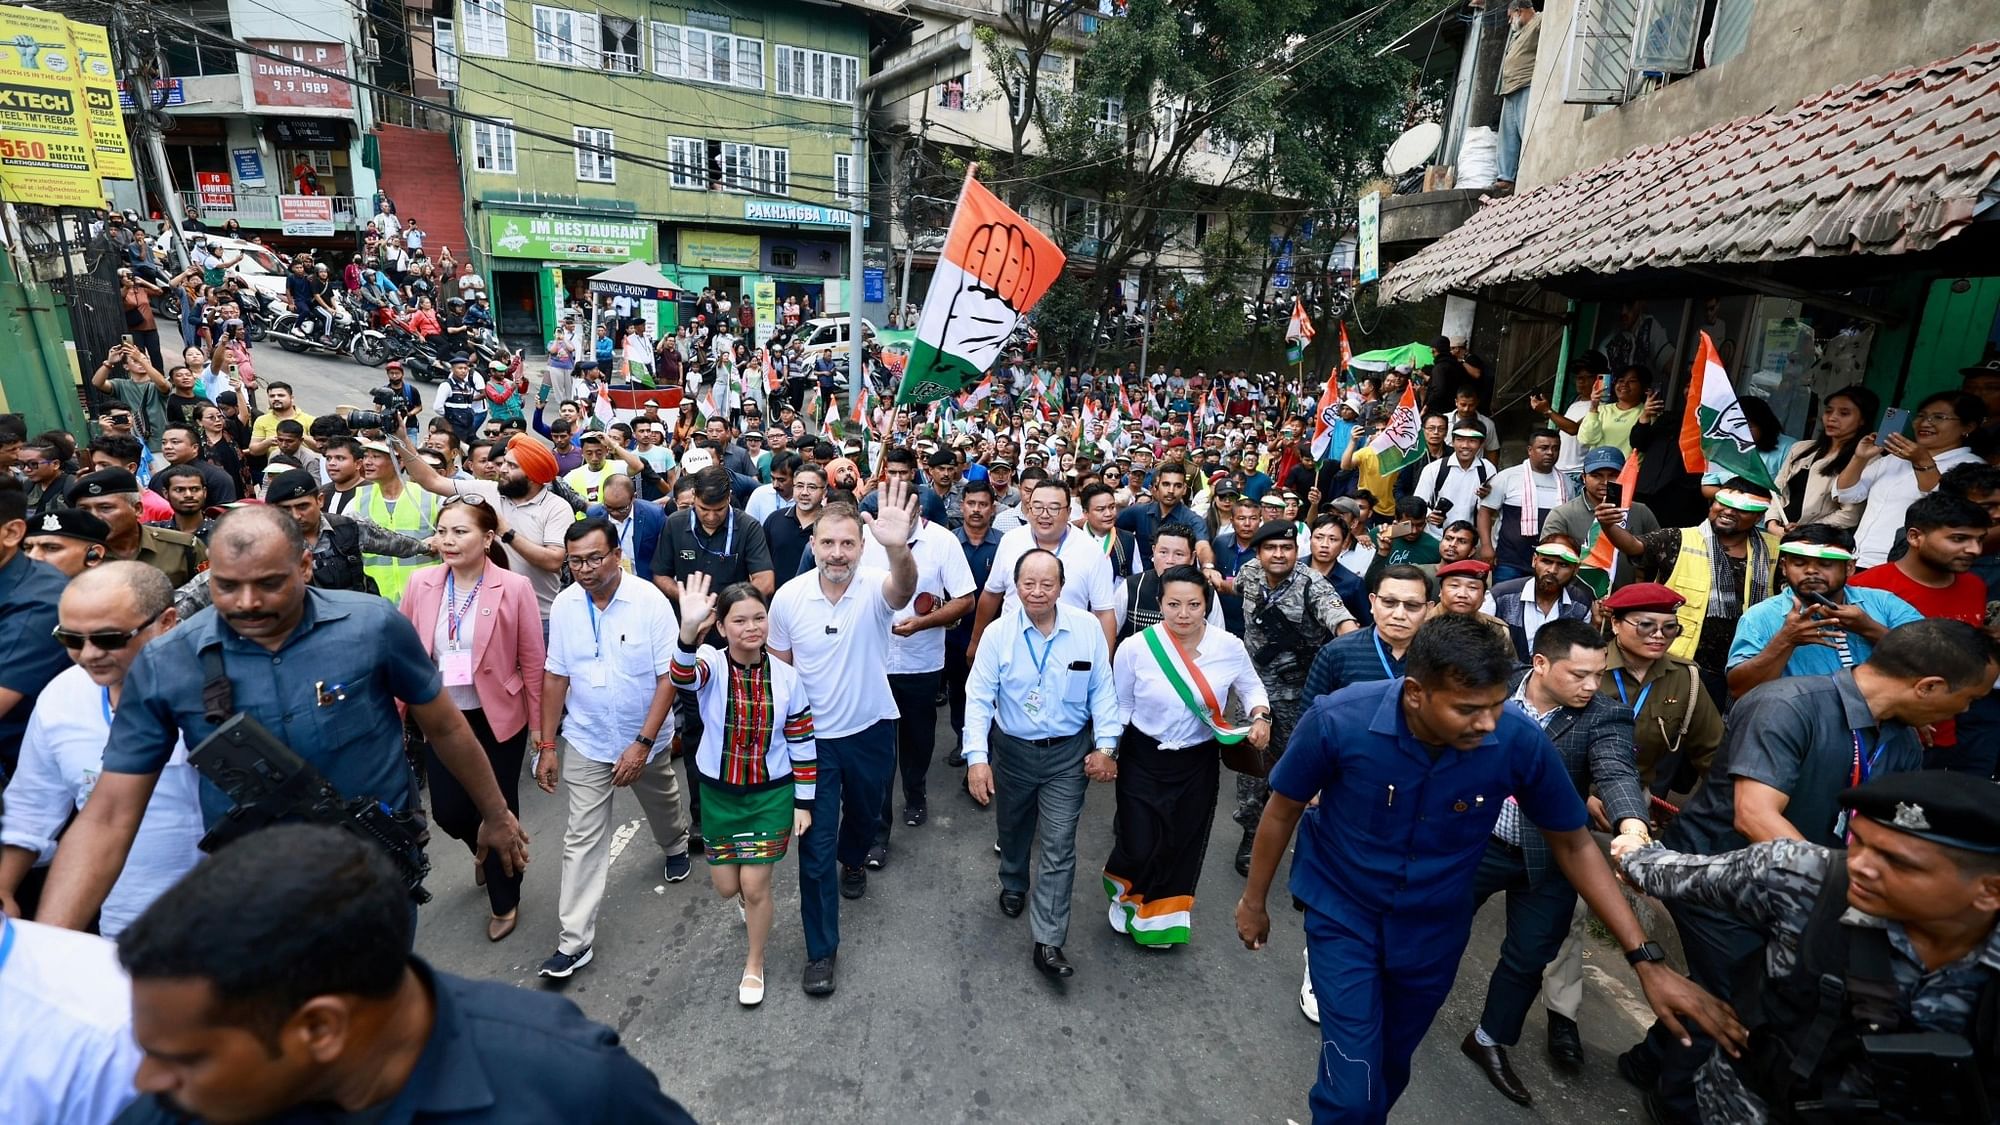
(832, 624)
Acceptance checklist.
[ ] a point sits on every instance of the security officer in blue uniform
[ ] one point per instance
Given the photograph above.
(1411, 773)
(322, 670)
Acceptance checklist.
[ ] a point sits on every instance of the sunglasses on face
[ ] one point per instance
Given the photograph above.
(109, 641)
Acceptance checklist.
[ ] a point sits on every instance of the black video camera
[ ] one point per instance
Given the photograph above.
(390, 408)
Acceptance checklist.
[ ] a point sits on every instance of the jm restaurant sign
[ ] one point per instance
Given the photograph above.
(571, 239)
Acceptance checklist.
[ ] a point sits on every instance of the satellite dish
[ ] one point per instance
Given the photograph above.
(1413, 148)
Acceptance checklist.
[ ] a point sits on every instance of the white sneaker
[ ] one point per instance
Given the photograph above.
(1308, 1003)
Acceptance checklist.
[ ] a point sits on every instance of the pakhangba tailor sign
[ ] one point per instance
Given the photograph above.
(565, 238)
(804, 214)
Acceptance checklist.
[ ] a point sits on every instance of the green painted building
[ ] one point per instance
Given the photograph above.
(716, 146)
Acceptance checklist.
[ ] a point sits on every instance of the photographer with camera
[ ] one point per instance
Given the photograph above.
(1877, 997)
(320, 670)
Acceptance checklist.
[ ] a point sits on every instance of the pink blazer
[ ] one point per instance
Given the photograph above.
(507, 647)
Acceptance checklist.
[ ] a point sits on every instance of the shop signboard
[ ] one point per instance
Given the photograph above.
(764, 296)
(1368, 258)
(167, 92)
(249, 166)
(800, 214)
(216, 192)
(569, 238)
(716, 250)
(100, 92)
(306, 216)
(289, 85)
(46, 151)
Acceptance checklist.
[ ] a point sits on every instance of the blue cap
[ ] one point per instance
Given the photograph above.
(1603, 457)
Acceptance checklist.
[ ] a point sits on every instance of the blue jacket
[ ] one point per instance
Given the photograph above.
(642, 535)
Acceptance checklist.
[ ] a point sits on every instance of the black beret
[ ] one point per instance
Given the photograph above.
(1936, 805)
(71, 522)
(103, 482)
(1273, 529)
(290, 485)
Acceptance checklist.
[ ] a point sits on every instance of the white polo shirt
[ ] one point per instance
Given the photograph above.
(1087, 581)
(614, 660)
(541, 520)
(942, 574)
(841, 649)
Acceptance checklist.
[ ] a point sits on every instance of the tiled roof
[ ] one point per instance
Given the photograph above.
(1888, 165)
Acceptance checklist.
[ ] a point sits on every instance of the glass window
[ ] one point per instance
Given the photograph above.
(697, 52)
(593, 156)
(750, 63)
(492, 148)
(667, 50)
(688, 155)
(485, 27)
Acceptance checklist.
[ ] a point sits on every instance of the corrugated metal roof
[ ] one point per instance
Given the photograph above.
(1888, 165)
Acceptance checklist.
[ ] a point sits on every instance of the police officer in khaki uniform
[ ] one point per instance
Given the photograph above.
(112, 495)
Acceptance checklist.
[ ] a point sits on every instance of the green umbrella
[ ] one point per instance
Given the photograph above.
(1407, 355)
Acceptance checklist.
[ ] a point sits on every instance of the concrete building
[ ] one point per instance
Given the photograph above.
(1811, 184)
(714, 143)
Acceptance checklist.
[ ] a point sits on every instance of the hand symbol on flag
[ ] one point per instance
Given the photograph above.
(999, 268)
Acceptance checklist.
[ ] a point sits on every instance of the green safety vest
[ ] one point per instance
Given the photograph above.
(415, 515)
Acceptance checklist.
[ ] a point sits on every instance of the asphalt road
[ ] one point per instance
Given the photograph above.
(939, 1016)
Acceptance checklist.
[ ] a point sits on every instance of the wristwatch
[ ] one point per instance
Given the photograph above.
(508, 537)
(1110, 752)
(1650, 951)
(643, 741)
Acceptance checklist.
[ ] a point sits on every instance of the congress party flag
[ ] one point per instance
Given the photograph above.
(1401, 437)
(1714, 432)
(1298, 332)
(1346, 352)
(995, 266)
(1329, 432)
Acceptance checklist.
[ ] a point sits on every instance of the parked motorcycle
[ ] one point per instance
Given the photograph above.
(286, 332)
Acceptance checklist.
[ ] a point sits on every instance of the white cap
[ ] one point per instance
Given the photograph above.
(697, 460)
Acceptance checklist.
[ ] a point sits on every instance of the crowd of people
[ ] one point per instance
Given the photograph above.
(1514, 666)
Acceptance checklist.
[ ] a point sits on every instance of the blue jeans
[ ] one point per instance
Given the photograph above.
(1537, 921)
(1513, 122)
(1380, 981)
(854, 775)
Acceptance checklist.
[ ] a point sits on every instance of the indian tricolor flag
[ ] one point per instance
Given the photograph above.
(1298, 333)
(1714, 432)
(995, 266)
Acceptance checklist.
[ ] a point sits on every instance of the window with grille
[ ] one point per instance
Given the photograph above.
(618, 39)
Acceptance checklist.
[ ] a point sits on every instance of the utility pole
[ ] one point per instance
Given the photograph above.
(138, 73)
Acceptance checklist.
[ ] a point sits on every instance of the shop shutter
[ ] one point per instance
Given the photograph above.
(1600, 52)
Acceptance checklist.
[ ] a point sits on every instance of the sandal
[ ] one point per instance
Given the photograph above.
(747, 994)
(498, 926)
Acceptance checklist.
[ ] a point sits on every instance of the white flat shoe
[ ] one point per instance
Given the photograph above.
(747, 994)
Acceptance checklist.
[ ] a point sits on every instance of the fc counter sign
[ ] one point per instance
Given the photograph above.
(47, 154)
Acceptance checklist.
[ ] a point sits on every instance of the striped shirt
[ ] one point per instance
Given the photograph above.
(745, 747)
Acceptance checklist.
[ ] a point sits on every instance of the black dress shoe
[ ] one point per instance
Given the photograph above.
(1640, 1067)
(915, 815)
(1493, 1062)
(818, 979)
(955, 759)
(853, 882)
(1050, 960)
(1243, 851)
(1013, 902)
(1565, 1044)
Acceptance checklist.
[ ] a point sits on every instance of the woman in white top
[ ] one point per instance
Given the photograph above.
(1174, 681)
(757, 763)
(1805, 478)
(1890, 484)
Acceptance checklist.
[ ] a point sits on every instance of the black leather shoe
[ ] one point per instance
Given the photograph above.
(1013, 902)
(955, 759)
(818, 979)
(1050, 960)
(1243, 851)
(1493, 1062)
(1565, 1044)
(853, 882)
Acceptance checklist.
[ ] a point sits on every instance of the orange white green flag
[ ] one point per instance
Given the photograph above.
(1715, 433)
(995, 266)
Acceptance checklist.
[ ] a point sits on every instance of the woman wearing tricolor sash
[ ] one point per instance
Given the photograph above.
(1175, 680)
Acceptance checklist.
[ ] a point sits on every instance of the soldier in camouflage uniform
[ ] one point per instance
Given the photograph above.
(1924, 857)
(1289, 611)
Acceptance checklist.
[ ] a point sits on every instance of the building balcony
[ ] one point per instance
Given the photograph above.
(255, 209)
(1412, 222)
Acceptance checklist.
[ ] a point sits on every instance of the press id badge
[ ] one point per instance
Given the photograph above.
(1032, 702)
(456, 665)
(593, 674)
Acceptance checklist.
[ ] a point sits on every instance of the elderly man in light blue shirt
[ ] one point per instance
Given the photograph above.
(1038, 697)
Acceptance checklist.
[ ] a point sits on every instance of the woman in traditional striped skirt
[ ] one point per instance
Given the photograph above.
(756, 764)
(1173, 680)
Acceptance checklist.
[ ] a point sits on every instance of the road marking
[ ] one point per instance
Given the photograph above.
(621, 837)
(1621, 995)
